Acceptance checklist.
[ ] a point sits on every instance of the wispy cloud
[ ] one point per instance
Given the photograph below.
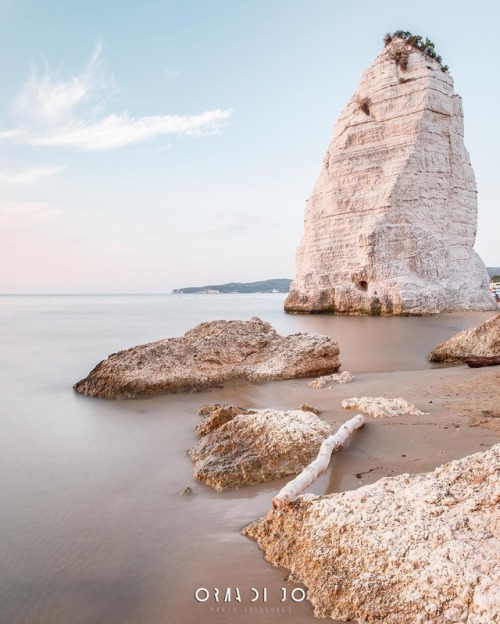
(24, 177)
(171, 72)
(120, 130)
(47, 98)
(61, 112)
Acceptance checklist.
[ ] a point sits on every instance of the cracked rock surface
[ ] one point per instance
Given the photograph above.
(410, 549)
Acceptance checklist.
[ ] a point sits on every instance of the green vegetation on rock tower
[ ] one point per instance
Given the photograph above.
(425, 46)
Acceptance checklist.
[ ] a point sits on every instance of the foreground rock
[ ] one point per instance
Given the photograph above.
(380, 407)
(208, 355)
(483, 341)
(241, 447)
(410, 549)
(390, 225)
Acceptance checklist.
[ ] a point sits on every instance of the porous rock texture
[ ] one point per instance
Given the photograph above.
(247, 447)
(477, 341)
(380, 407)
(208, 355)
(328, 381)
(391, 223)
(411, 549)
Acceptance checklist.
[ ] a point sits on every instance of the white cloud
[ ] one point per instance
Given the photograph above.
(171, 72)
(68, 113)
(47, 98)
(25, 177)
(120, 130)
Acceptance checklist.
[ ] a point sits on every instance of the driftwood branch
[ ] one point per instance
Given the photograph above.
(310, 473)
(477, 361)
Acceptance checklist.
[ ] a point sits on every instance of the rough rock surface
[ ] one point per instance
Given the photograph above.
(391, 223)
(208, 355)
(380, 407)
(483, 341)
(252, 447)
(217, 415)
(327, 381)
(405, 550)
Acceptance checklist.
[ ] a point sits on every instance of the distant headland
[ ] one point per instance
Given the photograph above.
(265, 286)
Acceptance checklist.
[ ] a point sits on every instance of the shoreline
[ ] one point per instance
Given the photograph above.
(456, 398)
(93, 487)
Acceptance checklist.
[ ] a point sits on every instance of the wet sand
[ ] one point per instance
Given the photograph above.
(454, 397)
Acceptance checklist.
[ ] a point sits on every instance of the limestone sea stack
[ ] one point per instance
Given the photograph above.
(391, 223)
(410, 549)
(208, 355)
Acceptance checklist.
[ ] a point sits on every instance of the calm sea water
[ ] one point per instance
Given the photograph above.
(92, 527)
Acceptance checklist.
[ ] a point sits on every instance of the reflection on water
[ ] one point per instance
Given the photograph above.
(92, 526)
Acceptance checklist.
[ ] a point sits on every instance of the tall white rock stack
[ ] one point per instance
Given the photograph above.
(391, 223)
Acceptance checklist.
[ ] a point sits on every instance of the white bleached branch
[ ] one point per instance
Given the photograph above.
(311, 472)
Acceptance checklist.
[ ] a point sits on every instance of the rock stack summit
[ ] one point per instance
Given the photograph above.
(391, 223)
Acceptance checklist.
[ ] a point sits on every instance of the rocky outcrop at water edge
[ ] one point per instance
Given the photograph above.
(208, 355)
(241, 447)
(410, 549)
(483, 341)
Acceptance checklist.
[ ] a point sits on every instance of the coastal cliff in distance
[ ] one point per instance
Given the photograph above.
(391, 223)
(265, 286)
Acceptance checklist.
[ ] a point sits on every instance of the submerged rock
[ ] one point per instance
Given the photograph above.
(390, 225)
(252, 447)
(305, 407)
(380, 407)
(407, 549)
(208, 355)
(327, 381)
(483, 340)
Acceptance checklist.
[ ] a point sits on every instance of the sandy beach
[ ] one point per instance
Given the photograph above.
(463, 419)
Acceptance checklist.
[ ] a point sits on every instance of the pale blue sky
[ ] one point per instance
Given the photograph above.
(150, 146)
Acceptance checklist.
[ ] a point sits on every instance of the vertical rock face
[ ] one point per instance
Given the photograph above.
(391, 223)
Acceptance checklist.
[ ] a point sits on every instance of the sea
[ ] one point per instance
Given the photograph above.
(93, 526)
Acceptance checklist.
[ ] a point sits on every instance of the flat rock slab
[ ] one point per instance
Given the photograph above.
(411, 549)
(481, 341)
(380, 407)
(208, 355)
(241, 447)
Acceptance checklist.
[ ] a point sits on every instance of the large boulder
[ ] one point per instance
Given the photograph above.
(208, 355)
(241, 447)
(406, 550)
(390, 225)
(483, 341)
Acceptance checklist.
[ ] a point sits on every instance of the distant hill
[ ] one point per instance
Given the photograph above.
(493, 271)
(266, 286)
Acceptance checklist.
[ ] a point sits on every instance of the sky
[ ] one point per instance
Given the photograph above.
(156, 145)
